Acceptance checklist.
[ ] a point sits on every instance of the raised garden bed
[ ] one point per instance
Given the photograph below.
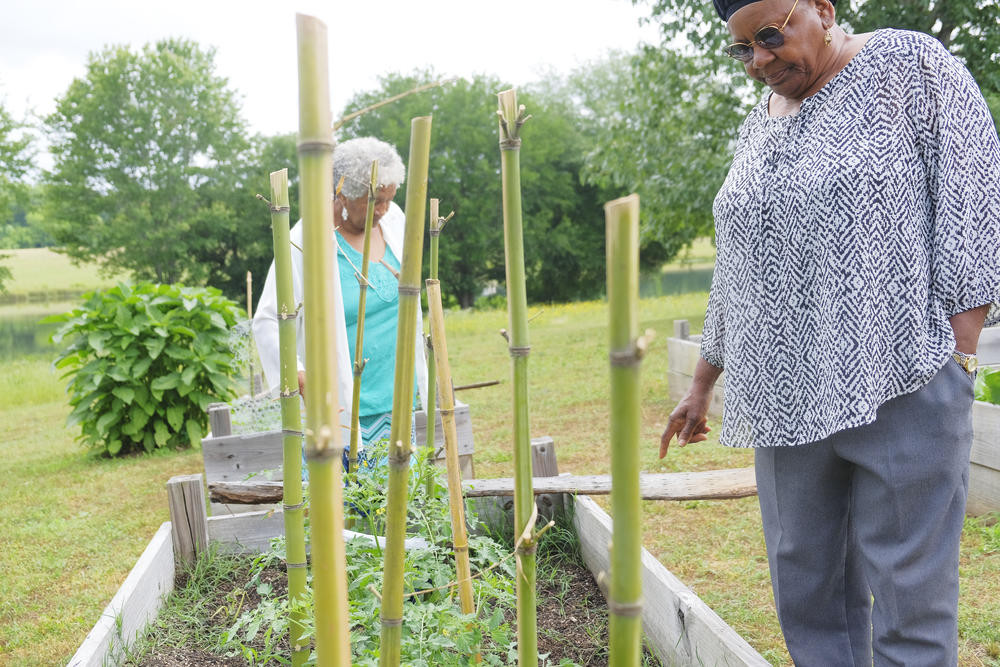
(984, 469)
(680, 629)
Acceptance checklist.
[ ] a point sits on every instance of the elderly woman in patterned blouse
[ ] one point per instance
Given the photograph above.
(858, 235)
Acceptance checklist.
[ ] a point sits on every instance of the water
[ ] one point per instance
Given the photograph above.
(22, 336)
(672, 283)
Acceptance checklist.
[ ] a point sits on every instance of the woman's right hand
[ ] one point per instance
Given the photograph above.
(688, 421)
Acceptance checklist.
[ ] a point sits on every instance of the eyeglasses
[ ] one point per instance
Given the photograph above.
(770, 37)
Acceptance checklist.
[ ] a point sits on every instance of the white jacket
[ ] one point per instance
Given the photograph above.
(265, 320)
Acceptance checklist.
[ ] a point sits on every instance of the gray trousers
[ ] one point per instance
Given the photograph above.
(872, 512)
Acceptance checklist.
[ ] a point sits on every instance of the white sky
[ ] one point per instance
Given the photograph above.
(44, 43)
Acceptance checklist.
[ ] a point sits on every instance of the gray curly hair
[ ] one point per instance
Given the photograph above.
(352, 161)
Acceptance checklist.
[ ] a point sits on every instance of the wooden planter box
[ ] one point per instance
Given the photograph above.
(679, 627)
(984, 468)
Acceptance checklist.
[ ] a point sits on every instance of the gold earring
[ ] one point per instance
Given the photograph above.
(828, 39)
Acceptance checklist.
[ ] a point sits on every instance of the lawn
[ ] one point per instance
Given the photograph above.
(38, 272)
(73, 526)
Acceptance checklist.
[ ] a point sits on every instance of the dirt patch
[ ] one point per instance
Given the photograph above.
(572, 620)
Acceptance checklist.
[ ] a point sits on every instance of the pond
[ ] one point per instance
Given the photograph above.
(22, 336)
(675, 282)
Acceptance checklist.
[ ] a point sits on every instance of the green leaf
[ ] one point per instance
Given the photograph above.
(125, 394)
(140, 367)
(165, 382)
(161, 434)
(105, 421)
(175, 416)
(114, 447)
(194, 432)
(155, 346)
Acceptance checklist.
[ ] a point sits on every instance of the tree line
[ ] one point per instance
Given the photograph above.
(155, 170)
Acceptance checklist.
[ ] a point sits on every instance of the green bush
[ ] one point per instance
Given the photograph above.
(144, 363)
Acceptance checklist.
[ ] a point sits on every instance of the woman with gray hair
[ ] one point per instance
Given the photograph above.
(352, 162)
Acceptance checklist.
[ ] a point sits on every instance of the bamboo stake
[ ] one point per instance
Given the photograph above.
(626, 349)
(460, 536)
(431, 407)
(400, 447)
(323, 440)
(291, 417)
(512, 118)
(250, 319)
(359, 360)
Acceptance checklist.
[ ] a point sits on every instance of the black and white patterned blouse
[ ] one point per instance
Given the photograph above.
(847, 235)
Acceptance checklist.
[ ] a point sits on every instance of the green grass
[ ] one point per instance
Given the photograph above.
(72, 527)
(37, 271)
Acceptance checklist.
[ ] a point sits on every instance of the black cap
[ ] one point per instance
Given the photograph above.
(727, 8)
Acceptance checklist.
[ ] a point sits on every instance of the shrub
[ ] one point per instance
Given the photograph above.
(144, 363)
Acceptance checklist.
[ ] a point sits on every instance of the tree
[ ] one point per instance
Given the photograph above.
(563, 219)
(15, 164)
(148, 148)
(663, 125)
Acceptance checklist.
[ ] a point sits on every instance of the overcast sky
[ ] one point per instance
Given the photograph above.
(44, 44)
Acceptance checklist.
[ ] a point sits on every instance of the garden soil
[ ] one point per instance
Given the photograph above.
(572, 621)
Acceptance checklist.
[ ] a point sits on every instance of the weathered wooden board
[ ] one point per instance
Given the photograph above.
(134, 605)
(463, 424)
(986, 436)
(680, 628)
(710, 484)
(682, 357)
(705, 485)
(984, 490)
(235, 457)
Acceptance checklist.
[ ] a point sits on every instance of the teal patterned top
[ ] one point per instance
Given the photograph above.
(381, 316)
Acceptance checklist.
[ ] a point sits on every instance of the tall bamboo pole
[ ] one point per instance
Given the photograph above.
(430, 407)
(400, 446)
(291, 417)
(359, 360)
(512, 118)
(625, 595)
(460, 536)
(323, 439)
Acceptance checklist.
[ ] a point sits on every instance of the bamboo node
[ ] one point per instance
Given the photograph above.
(625, 358)
(280, 209)
(291, 508)
(295, 566)
(288, 394)
(510, 144)
(446, 411)
(628, 609)
(521, 351)
(289, 431)
(317, 146)
(391, 622)
(409, 290)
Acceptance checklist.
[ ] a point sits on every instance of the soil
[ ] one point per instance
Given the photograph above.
(572, 621)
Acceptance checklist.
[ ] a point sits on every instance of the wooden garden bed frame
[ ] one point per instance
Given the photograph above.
(679, 627)
(984, 468)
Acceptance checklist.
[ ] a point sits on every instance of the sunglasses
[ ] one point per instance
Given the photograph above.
(769, 37)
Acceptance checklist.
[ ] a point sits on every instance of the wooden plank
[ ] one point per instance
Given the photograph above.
(251, 532)
(988, 350)
(986, 435)
(984, 490)
(706, 485)
(682, 329)
(134, 605)
(682, 355)
(544, 464)
(236, 457)
(463, 425)
(186, 500)
(680, 628)
(220, 420)
(711, 484)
